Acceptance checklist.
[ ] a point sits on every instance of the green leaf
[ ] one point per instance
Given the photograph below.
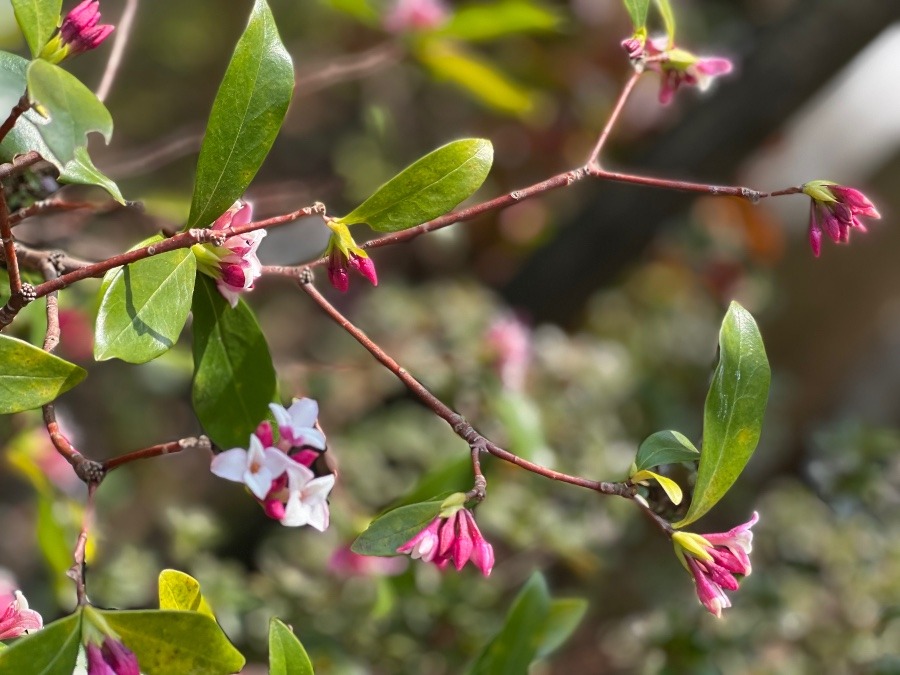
(360, 10)
(477, 23)
(234, 379)
(562, 620)
(30, 377)
(178, 590)
(637, 10)
(167, 642)
(70, 110)
(389, 532)
(38, 20)
(520, 639)
(452, 476)
(450, 62)
(668, 17)
(665, 447)
(54, 538)
(49, 651)
(429, 188)
(286, 655)
(735, 405)
(12, 84)
(145, 305)
(245, 119)
(81, 171)
(671, 488)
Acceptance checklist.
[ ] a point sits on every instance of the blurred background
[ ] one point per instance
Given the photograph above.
(604, 300)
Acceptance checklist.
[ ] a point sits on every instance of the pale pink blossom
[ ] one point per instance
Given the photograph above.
(256, 468)
(835, 210)
(454, 538)
(716, 561)
(297, 424)
(509, 339)
(344, 562)
(415, 15)
(17, 619)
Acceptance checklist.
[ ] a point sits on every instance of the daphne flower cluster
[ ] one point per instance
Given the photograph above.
(111, 657)
(676, 66)
(234, 265)
(80, 31)
(452, 536)
(17, 619)
(835, 209)
(715, 561)
(344, 255)
(281, 474)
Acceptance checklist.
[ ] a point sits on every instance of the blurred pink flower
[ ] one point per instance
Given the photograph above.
(345, 563)
(835, 209)
(510, 342)
(415, 15)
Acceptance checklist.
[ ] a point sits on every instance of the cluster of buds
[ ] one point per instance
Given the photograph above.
(106, 654)
(415, 15)
(17, 619)
(452, 536)
(282, 474)
(835, 209)
(80, 31)
(676, 66)
(344, 255)
(715, 561)
(234, 265)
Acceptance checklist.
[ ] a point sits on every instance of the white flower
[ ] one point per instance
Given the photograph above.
(307, 496)
(256, 468)
(297, 424)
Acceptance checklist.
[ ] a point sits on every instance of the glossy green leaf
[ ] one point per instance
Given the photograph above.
(245, 119)
(429, 188)
(735, 405)
(286, 654)
(477, 23)
(389, 532)
(665, 447)
(168, 641)
(12, 84)
(449, 62)
(81, 171)
(234, 379)
(178, 590)
(668, 17)
(30, 377)
(70, 110)
(562, 620)
(669, 486)
(520, 639)
(38, 20)
(637, 10)
(49, 651)
(145, 306)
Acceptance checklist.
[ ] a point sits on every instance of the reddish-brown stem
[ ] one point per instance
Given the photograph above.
(46, 206)
(14, 115)
(9, 248)
(664, 525)
(158, 450)
(479, 489)
(593, 159)
(19, 164)
(457, 422)
(77, 572)
(684, 186)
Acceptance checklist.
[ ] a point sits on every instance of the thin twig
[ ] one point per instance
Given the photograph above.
(18, 110)
(19, 164)
(593, 159)
(350, 67)
(78, 570)
(158, 450)
(46, 206)
(123, 33)
(9, 248)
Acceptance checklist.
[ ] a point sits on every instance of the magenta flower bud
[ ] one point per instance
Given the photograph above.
(338, 272)
(715, 562)
(835, 210)
(415, 15)
(365, 266)
(112, 658)
(344, 255)
(80, 31)
(17, 619)
(454, 538)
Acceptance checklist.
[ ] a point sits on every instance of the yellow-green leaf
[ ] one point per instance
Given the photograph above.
(671, 488)
(30, 377)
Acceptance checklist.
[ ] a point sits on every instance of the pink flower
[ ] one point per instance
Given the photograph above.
(80, 31)
(836, 209)
(256, 468)
(455, 538)
(340, 263)
(112, 658)
(510, 341)
(346, 563)
(17, 619)
(415, 15)
(234, 265)
(676, 66)
(715, 561)
(297, 424)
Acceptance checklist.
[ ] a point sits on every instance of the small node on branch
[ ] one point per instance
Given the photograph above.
(306, 276)
(89, 471)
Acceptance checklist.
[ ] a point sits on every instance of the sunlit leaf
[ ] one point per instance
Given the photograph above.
(668, 17)
(389, 532)
(429, 188)
(178, 590)
(671, 488)
(735, 405)
(38, 20)
(245, 119)
(450, 62)
(562, 620)
(286, 654)
(30, 377)
(49, 651)
(145, 306)
(81, 171)
(488, 22)
(234, 379)
(637, 10)
(665, 447)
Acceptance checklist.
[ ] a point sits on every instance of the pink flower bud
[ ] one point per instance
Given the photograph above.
(453, 538)
(835, 210)
(80, 31)
(112, 658)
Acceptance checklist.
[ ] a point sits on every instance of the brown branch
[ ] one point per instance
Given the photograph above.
(78, 570)
(46, 206)
(158, 450)
(14, 115)
(9, 248)
(351, 67)
(19, 164)
(594, 157)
